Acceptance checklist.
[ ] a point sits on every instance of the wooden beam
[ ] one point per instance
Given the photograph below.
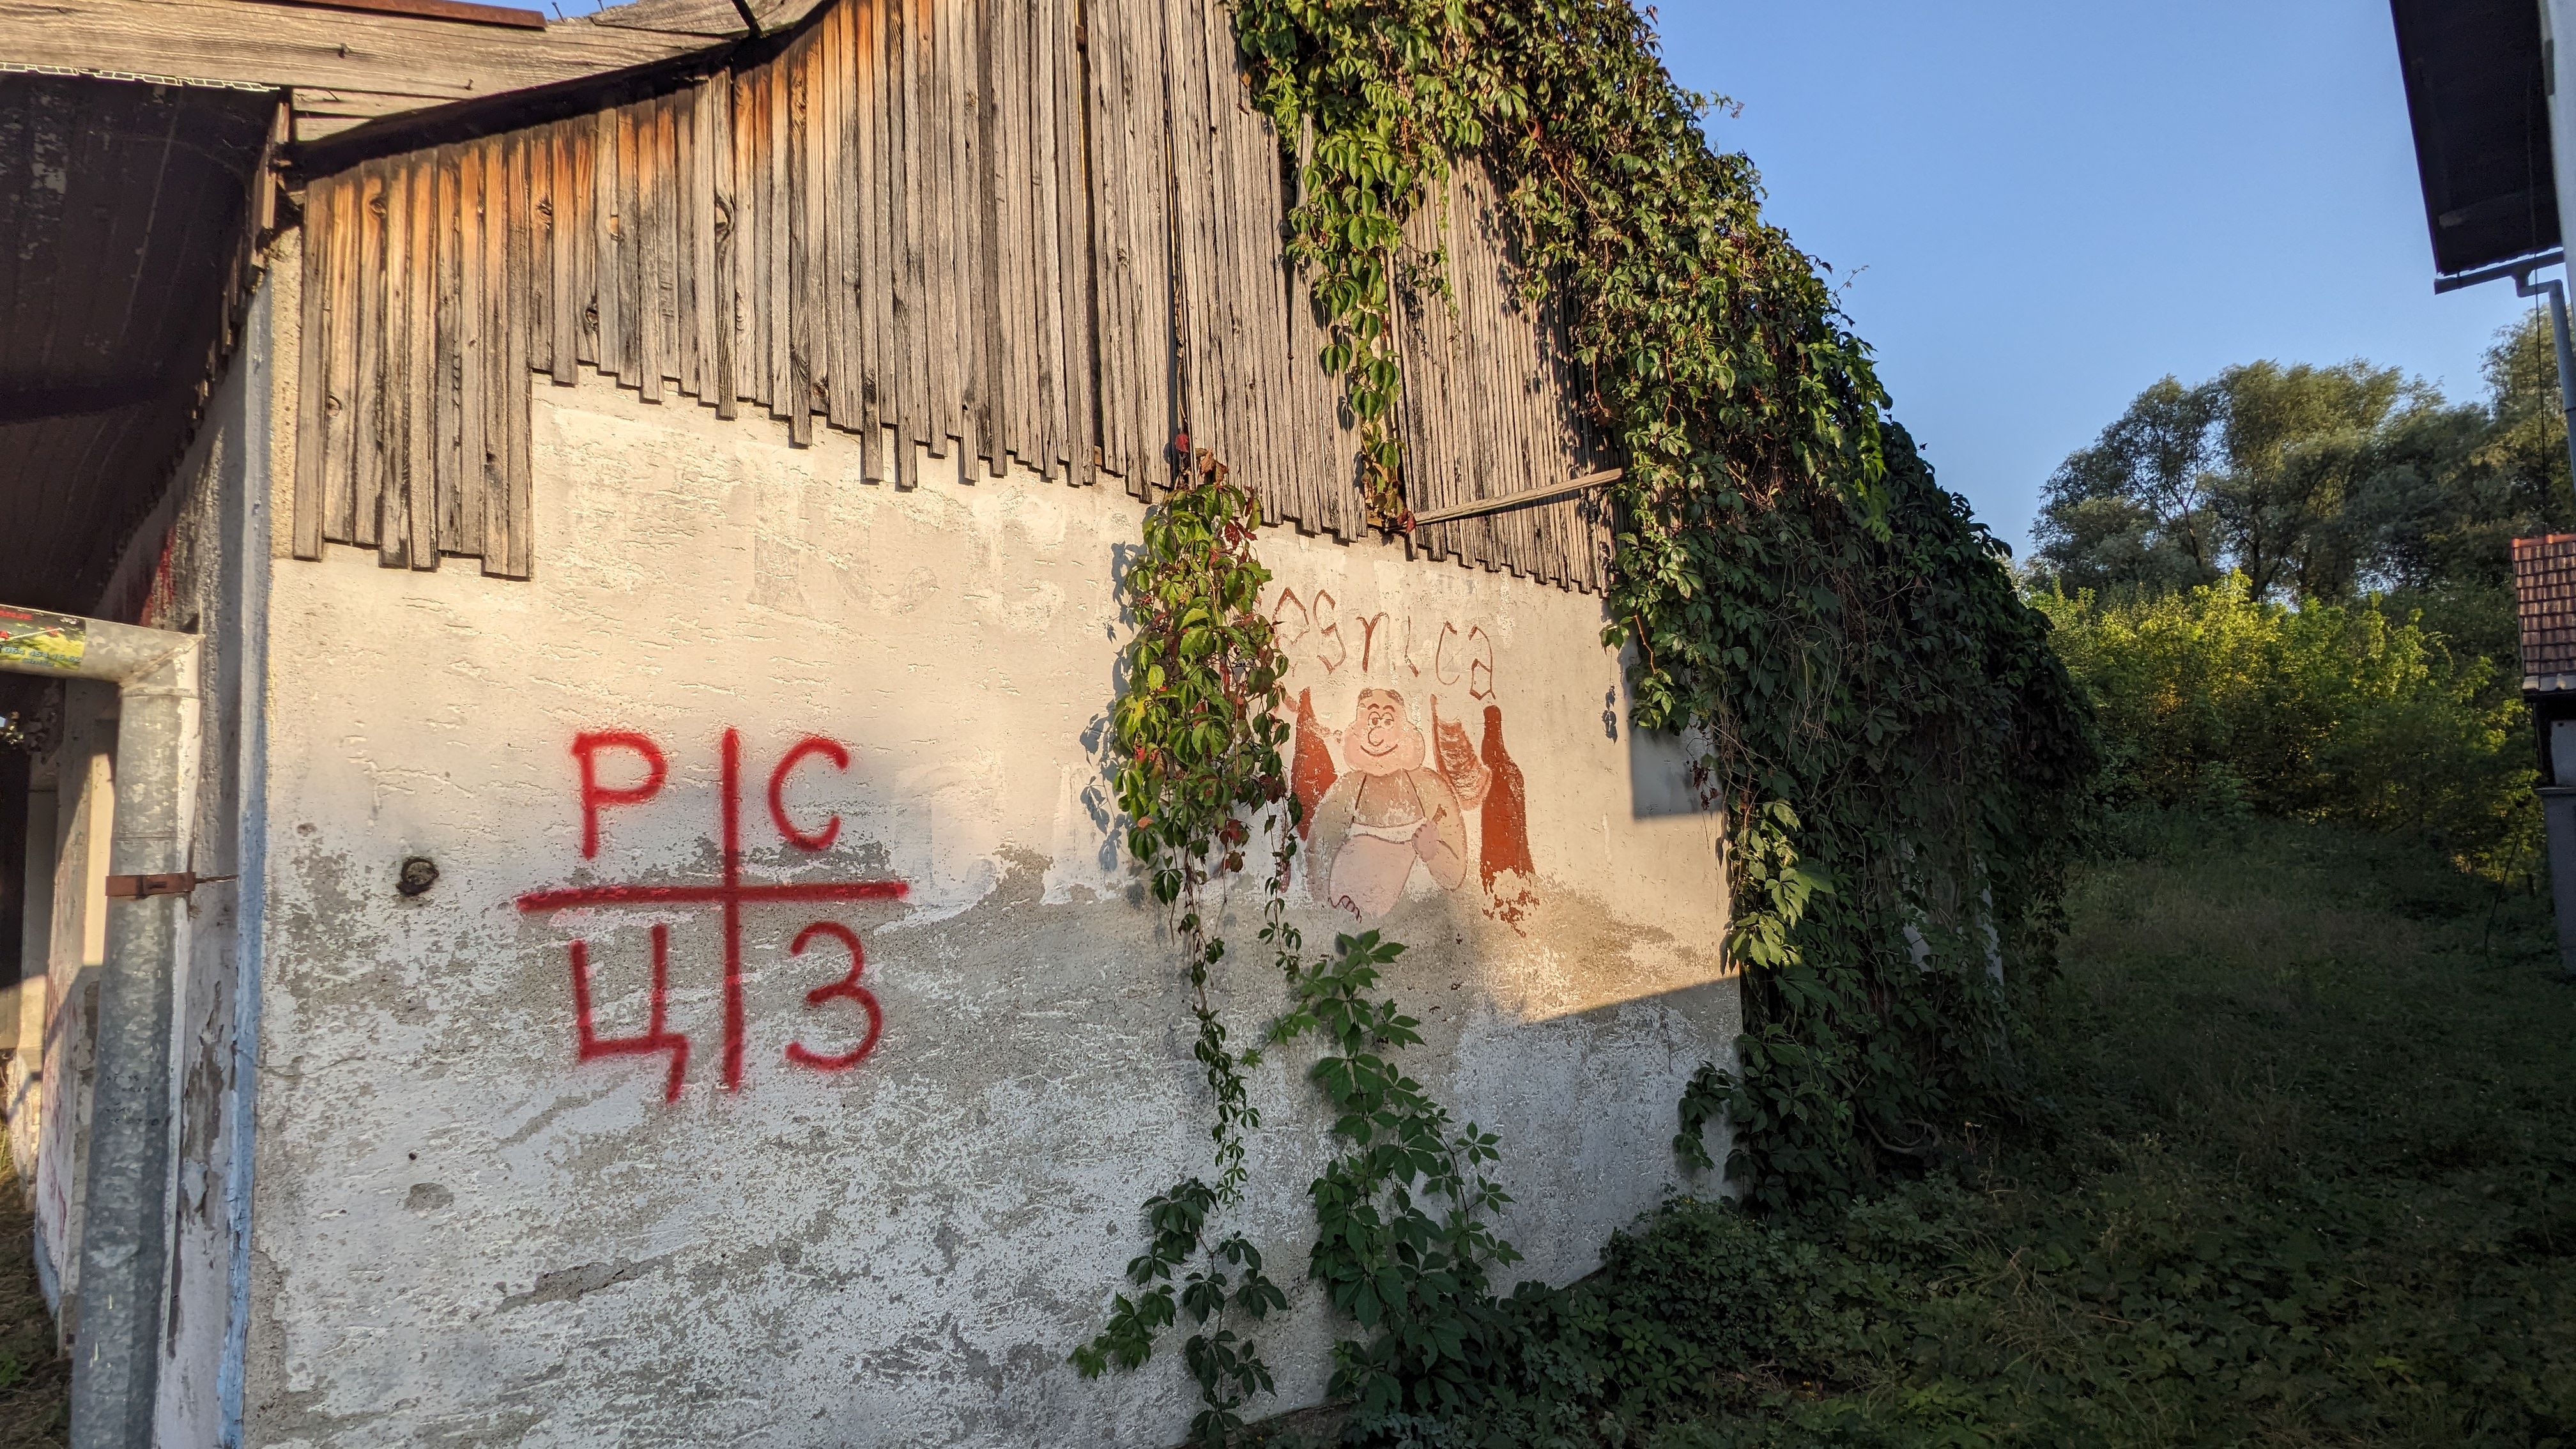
(1514, 500)
(225, 42)
(457, 10)
(776, 16)
(716, 19)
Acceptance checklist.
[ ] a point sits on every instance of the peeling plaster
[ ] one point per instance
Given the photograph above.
(464, 1232)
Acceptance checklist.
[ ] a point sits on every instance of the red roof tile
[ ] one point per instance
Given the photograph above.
(2544, 594)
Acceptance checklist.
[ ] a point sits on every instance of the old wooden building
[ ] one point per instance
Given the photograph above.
(562, 601)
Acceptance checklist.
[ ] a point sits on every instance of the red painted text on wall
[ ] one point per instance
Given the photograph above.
(638, 758)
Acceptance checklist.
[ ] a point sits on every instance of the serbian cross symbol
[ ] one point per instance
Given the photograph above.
(729, 894)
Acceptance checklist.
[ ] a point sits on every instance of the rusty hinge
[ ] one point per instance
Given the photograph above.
(168, 883)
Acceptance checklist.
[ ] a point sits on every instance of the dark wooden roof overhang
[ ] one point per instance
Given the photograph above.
(2478, 95)
(130, 211)
(348, 63)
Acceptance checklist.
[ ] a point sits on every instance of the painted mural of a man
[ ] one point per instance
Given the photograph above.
(1386, 813)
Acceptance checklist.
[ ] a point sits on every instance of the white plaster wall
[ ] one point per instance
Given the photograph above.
(463, 1234)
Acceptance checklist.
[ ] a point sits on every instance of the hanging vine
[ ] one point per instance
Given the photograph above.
(1197, 737)
(1897, 751)
(1404, 1211)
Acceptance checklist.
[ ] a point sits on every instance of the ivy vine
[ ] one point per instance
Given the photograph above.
(1405, 1242)
(1197, 735)
(1896, 750)
(1897, 753)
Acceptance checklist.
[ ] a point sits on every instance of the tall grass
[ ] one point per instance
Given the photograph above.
(34, 1379)
(2301, 1172)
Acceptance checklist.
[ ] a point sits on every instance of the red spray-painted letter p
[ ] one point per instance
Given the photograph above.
(596, 796)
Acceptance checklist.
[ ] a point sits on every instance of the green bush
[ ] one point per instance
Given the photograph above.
(2214, 702)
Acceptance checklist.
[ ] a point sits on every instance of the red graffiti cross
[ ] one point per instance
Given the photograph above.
(729, 893)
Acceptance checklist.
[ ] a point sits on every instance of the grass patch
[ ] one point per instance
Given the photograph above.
(35, 1381)
(2301, 1171)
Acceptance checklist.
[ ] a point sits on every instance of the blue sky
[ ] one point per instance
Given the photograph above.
(2038, 209)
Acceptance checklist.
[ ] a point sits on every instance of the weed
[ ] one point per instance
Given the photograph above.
(35, 1381)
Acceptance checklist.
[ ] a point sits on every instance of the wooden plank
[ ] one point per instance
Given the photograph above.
(422, 380)
(474, 363)
(392, 534)
(1147, 240)
(309, 129)
(1074, 271)
(984, 298)
(1127, 207)
(777, 203)
(673, 241)
(836, 93)
(691, 188)
(1034, 326)
(510, 528)
(1238, 275)
(823, 246)
(993, 328)
(1104, 119)
(804, 223)
(964, 214)
(380, 358)
(777, 17)
(382, 522)
(670, 236)
(549, 185)
(607, 193)
(447, 361)
(940, 191)
(582, 135)
(633, 233)
(353, 517)
(873, 290)
(905, 60)
(1185, 93)
(510, 306)
(662, 257)
(278, 47)
(751, 249)
(312, 388)
(724, 328)
(716, 19)
(353, 273)
(1036, 137)
(1251, 171)
(1028, 80)
(539, 200)
(464, 11)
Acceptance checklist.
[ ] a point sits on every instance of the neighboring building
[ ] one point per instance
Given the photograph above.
(648, 496)
(2495, 146)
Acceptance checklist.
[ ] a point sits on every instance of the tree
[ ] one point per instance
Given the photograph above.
(2131, 510)
(2315, 483)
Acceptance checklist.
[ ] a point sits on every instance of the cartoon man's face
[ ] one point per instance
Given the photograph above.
(1382, 739)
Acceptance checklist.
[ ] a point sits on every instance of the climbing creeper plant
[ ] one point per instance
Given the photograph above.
(1897, 750)
(1405, 1241)
(1197, 738)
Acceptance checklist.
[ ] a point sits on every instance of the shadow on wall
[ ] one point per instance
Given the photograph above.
(1660, 762)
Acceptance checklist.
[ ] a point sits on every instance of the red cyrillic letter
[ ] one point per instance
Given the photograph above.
(595, 796)
(810, 745)
(848, 986)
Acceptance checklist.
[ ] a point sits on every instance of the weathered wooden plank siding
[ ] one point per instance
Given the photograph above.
(1025, 230)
